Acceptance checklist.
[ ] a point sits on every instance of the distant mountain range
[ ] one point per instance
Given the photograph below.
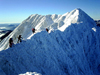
(8, 26)
(6, 29)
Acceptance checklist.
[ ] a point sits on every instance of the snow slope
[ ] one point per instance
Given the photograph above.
(71, 48)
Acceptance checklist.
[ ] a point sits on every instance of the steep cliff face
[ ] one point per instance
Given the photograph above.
(70, 48)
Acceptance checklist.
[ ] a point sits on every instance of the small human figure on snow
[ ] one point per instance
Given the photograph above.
(33, 30)
(47, 29)
(11, 42)
(19, 38)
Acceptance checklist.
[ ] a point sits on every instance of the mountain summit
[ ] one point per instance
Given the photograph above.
(70, 48)
(54, 21)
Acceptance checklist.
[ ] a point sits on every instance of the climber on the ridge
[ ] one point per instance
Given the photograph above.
(33, 30)
(19, 38)
(11, 42)
(47, 29)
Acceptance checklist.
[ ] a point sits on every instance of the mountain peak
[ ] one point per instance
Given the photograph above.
(78, 9)
(81, 16)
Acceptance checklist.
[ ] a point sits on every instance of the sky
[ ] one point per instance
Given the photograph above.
(16, 11)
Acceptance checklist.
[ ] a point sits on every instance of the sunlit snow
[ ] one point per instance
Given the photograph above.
(94, 29)
(71, 47)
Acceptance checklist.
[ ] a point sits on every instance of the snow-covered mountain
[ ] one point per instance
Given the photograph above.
(72, 46)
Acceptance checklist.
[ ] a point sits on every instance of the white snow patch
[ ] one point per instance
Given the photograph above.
(94, 29)
(30, 36)
(31, 73)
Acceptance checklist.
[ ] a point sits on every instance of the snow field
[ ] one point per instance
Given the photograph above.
(58, 52)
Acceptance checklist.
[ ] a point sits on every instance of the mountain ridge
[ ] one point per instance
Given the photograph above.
(41, 22)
